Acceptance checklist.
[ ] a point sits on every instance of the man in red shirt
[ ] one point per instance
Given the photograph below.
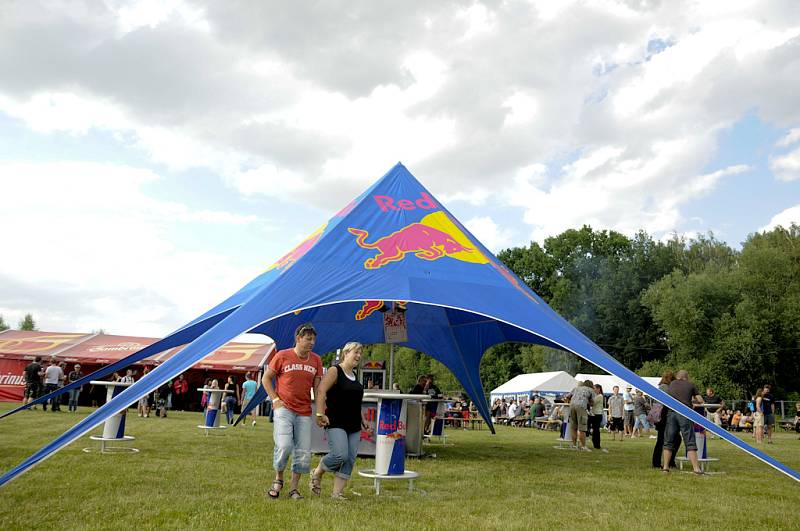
(180, 393)
(297, 370)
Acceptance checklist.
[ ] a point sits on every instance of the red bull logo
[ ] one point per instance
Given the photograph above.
(433, 237)
(392, 426)
(371, 307)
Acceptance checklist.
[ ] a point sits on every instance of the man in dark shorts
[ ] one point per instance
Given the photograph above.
(685, 392)
(33, 381)
(616, 412)
(768, 403)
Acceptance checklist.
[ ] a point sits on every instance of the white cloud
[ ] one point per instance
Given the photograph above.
(89, 234)
(606, 112)
(785, 218)
(489, 233)
(786, 167)
(790, 138)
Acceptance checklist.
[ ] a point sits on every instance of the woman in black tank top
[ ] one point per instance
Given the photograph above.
(338, 400)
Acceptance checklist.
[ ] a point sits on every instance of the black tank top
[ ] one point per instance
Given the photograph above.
(344, 403)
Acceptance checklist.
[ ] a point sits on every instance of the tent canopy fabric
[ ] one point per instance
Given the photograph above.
(25, 344)
(395, 242)
(99, 349)
(608, 381)
(544, 382)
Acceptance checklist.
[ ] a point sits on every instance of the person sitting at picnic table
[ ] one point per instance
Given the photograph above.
(511, 412)
(496, 408)
(746, 422)
(725, 418)
(797, 419)
(537, 413)
(554, 419)
(734, 422)
(523, 416)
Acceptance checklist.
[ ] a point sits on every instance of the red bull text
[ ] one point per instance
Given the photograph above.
(388, 204)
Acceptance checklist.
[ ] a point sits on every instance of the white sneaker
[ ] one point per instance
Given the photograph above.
(254, 423)
(586, 449)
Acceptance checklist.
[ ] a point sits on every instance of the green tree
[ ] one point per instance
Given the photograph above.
(27, 323)
(3, 325)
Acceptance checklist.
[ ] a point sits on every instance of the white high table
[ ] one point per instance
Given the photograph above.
(212, 413)
(702, 442)
(114, 427)
(390, 444)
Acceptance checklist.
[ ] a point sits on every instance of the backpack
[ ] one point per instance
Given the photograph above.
(656, 413)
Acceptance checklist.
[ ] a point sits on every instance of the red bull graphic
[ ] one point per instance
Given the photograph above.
(390, 448)
(287, 260)
(434, 236)
(371, 307)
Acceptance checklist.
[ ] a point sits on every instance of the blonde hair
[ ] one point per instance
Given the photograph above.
(351, 345)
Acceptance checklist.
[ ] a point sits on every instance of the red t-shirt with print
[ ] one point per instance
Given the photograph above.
(296, 378)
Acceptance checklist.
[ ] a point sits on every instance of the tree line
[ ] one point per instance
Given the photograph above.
(26, 323)
(730, 317)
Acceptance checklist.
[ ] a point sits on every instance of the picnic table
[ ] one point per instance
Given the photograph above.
(462, 421)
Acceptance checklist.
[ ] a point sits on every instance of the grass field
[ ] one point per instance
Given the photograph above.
(512, 480)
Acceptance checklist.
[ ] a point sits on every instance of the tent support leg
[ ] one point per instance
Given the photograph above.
(391, 366)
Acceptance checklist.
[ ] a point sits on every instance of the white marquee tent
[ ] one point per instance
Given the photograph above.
(546, 383)
(608, 381)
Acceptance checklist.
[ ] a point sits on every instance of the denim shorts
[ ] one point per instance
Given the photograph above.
(292, 437)
(679, 426)
(343, 449)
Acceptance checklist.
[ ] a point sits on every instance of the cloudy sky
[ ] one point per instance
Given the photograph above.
(157, 155)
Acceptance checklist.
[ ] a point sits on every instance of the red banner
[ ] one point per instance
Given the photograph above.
(12, 380)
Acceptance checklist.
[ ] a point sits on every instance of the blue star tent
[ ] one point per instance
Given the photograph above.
(395, 242)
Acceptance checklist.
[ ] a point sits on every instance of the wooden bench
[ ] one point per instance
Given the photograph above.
(461, 421)
(544, 423)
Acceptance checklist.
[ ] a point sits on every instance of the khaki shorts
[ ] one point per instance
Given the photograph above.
(579, 417)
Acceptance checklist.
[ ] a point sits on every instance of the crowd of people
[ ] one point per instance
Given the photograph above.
(294, 374)
(44, 378)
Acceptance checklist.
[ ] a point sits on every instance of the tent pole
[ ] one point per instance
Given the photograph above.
(391, 366)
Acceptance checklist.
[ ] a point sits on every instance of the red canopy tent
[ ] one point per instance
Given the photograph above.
(18, 348)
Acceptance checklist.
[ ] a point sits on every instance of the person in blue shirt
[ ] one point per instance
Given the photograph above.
(248, 390)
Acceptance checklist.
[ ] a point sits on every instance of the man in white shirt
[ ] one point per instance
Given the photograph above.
(512, 411)
(52, 375)
(627, 396)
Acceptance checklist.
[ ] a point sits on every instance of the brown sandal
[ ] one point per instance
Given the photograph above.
(295, 494)
(315, 484)
(275, 490)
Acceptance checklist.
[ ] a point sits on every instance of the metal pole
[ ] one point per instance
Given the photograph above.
(391, 366)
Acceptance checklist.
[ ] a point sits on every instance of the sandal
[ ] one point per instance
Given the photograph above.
(338, 496)
(294, 494)
(315, 484)
(275, 490)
